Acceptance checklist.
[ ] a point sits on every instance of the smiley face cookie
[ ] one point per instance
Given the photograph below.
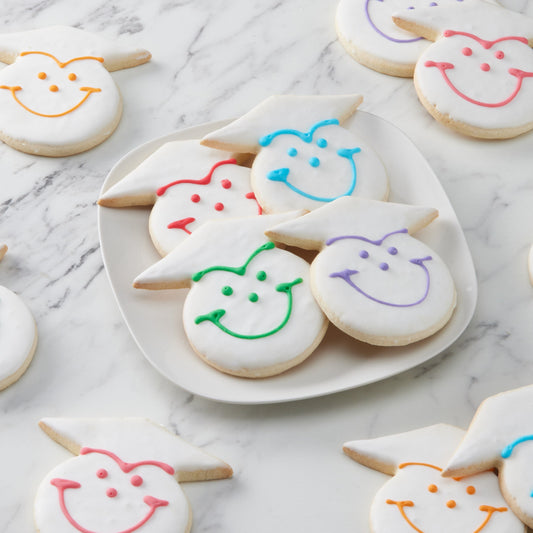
(57, 96)
(477, 76)
(187, 184)
(125, 478)
(250, 311)
(305, 158)
(18, 335)
(418, 498)
(501, 436)
(368, 33)
(371, 278)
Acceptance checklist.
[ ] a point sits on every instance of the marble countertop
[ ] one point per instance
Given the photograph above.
(214, 60)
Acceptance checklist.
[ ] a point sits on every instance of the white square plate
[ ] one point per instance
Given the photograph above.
(339, 363)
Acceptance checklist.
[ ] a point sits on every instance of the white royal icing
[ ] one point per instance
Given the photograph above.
(17, 333)
(418, 498)
(288, 323)
(500, 435)
(372, 278)
(530, 264)
(224, 196)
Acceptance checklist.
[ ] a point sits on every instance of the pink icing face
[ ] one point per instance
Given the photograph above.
(103, 489)
(485, 73)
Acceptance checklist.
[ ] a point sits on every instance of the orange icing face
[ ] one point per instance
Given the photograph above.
(442, 504)
(67, 85)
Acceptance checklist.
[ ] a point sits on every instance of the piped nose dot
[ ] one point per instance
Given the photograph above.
(314, 162)
(136, 481)
(219, 206)
(433, 488)
(450, 504)
(499, 55)
(195, 198)
(322, 143)
(41, 75)
(485, 67)
(101, 473)
(72, 76)
(292, 152)
(466, 51)
(392, 250)
(111, 493)
(53, 88)
(363, 254)
(384, 266)
(226, 184)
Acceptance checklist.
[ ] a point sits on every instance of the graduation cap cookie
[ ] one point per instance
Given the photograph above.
(187, 184)
(250, 311)
(305, 158)
(477, 76)
(418, 498)
(372, 278)
(125, 478)
(501, 436)
(18, 335)
(57, 97)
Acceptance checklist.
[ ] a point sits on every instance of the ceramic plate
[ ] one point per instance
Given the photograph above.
(339, 363)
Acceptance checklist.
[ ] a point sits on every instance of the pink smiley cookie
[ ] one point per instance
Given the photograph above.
(125, 478)
(187, 184)
(57, 96)
(418, 498)
(477, 77)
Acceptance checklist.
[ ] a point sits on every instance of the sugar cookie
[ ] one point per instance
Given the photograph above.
(418, 498)
(305, 158)
(501, 436)
(371, 278)
(124, 478)
(368, 33)
(476, 77)
(187, 184)
(250, 311)
(530, 264)
(18, 335)
(57, 96)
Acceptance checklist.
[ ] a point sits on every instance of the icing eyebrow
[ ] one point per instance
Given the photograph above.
(60, 63)
(304, 136)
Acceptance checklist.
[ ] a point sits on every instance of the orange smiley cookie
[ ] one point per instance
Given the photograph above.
(57, 95)
(418, 499)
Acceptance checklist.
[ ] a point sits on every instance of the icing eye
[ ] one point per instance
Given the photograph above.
(261, 275)
(499, 55)
(292, 152)
(392, 250)
(226, 184)
(363, 254)
(53, 88)
(485, 67)
(322, 143)
(467, 51)
(314, 162)
(136, 481)
(433, 488)
(102, 473)
(72, 76)
(41, 75)
(111, 493)
(219, 206)
(195, 198)
(227, 290)
(470, 489)
(384, 266)
(253, 297)
(450, 504)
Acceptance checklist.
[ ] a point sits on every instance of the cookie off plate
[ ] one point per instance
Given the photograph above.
(339, 363)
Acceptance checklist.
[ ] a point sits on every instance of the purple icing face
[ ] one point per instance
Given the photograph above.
(379, 269)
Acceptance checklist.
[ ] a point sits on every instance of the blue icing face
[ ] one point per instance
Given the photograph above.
(312, 147)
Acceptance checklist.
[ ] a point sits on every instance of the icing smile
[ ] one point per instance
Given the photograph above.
(383, 34)
(14, 89)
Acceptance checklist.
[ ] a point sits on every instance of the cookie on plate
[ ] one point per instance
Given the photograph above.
(501, 436)
(418, 498)
(305, 158)
(18, 335)
(125, 477)
(250, 311)
(477, 76)
(372, 279)
(187, 184)
(57, 96)
(368, 33)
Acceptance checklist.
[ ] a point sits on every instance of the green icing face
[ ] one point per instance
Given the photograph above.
(216, 315)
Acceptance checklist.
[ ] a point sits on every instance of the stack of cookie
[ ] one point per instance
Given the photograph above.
(473, 77)
(253, 309)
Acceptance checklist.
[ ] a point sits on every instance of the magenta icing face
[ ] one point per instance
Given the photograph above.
(100, 484)
(382, 270)
(485, 73)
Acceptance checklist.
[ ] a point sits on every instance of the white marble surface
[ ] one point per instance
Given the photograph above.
(213, 60)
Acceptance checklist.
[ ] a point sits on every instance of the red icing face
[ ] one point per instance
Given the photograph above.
(113, 489)
(485, 73)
